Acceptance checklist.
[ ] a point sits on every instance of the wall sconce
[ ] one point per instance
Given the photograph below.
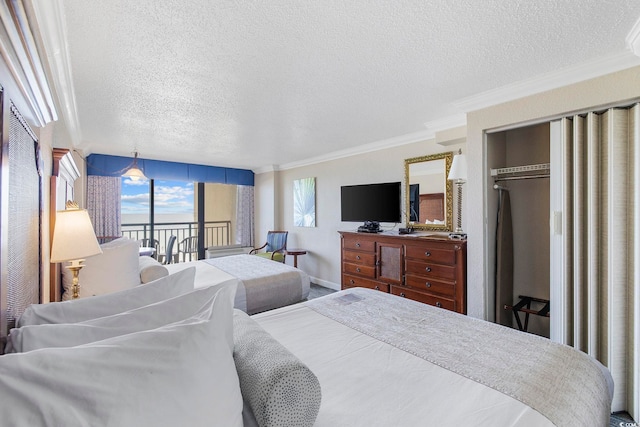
(458, 174)
(73, 240)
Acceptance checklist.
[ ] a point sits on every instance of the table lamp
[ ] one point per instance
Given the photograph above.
(73, 240)
(458, 174)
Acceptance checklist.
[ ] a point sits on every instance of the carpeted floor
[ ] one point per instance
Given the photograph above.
(622, 419)
(316, 291)
(617, 420)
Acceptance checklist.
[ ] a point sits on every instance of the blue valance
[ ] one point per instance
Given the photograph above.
(104, 165)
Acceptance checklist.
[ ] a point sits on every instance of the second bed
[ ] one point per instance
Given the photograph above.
(262, 284)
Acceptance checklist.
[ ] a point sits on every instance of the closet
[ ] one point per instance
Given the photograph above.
(518, 226)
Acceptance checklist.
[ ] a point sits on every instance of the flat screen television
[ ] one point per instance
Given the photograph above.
(371, 202)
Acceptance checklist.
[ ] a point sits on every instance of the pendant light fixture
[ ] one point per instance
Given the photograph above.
(134, 172)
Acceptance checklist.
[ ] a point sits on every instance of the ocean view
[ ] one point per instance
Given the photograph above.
(159, 218)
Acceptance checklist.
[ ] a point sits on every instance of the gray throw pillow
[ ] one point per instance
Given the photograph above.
(277, 386)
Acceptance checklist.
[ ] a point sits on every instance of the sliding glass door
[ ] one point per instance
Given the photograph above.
(199, 215)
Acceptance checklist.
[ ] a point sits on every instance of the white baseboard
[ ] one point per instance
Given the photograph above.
(325, 283)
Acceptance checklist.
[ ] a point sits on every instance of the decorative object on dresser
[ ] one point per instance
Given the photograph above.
(458, 174)
(426, 268)
(73, 240)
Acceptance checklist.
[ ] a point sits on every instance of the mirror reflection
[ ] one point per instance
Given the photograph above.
(428, 193)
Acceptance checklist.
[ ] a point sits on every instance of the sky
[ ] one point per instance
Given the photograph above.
(171, 197)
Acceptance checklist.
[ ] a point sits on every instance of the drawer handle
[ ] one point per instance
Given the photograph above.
(358, 257)
(427, 253)
(358, 270)
(357, 245)
(428, 269)
(352, 281)
(402, 294)
(428, 284)
(438, 304)
(377, 288)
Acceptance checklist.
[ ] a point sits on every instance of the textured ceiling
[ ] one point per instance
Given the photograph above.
(252, 84)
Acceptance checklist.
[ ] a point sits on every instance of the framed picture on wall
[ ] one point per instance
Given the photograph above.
(304, 202)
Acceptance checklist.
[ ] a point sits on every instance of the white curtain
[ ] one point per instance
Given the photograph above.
(601, 243)
(244, 215)
(103, 205)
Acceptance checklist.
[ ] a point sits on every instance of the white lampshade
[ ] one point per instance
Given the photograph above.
(458, 171)
(73, 236)
(134, 174)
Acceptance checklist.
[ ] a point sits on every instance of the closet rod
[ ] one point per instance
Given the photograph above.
(499, 187)
(513, 178)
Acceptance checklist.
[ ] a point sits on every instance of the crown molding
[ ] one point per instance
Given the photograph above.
(361, 149)
(549, 81)
(20, 54)
(49, 16)
(445, 123)
(266, 169)
(633, 39)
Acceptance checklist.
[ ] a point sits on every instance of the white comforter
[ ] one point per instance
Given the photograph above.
(262, 284)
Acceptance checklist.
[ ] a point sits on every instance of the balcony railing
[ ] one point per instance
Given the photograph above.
(216, 233)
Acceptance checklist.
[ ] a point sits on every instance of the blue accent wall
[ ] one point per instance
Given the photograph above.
(105, 165)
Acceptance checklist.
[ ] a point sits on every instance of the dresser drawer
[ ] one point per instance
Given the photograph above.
(356, 257)
(429, 254)
(429, 269)
(430, 285)
(360, 270)
(358, 244)
(354, 281)
(423, 297)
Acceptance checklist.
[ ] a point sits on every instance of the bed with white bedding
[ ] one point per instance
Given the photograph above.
(164, 353)
(386, 361)
(261, 284)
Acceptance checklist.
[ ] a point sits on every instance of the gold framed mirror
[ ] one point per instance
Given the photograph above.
(428, 193)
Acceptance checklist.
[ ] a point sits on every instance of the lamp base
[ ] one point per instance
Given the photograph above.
(75, 267)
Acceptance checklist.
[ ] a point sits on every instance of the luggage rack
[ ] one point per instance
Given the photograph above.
(520, 307)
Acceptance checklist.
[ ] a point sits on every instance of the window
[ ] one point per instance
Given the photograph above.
(174, 209)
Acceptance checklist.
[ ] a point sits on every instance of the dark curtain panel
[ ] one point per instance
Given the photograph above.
(504, 260)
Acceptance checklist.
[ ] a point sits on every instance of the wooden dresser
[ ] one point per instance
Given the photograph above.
(430, 269)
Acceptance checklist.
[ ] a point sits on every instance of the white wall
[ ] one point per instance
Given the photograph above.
(323, 241)
(264, 200)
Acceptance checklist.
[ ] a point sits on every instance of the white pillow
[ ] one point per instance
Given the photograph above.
(151, 270)
(34, 337)
(115, 269)
(83, 309)
(179, 374)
